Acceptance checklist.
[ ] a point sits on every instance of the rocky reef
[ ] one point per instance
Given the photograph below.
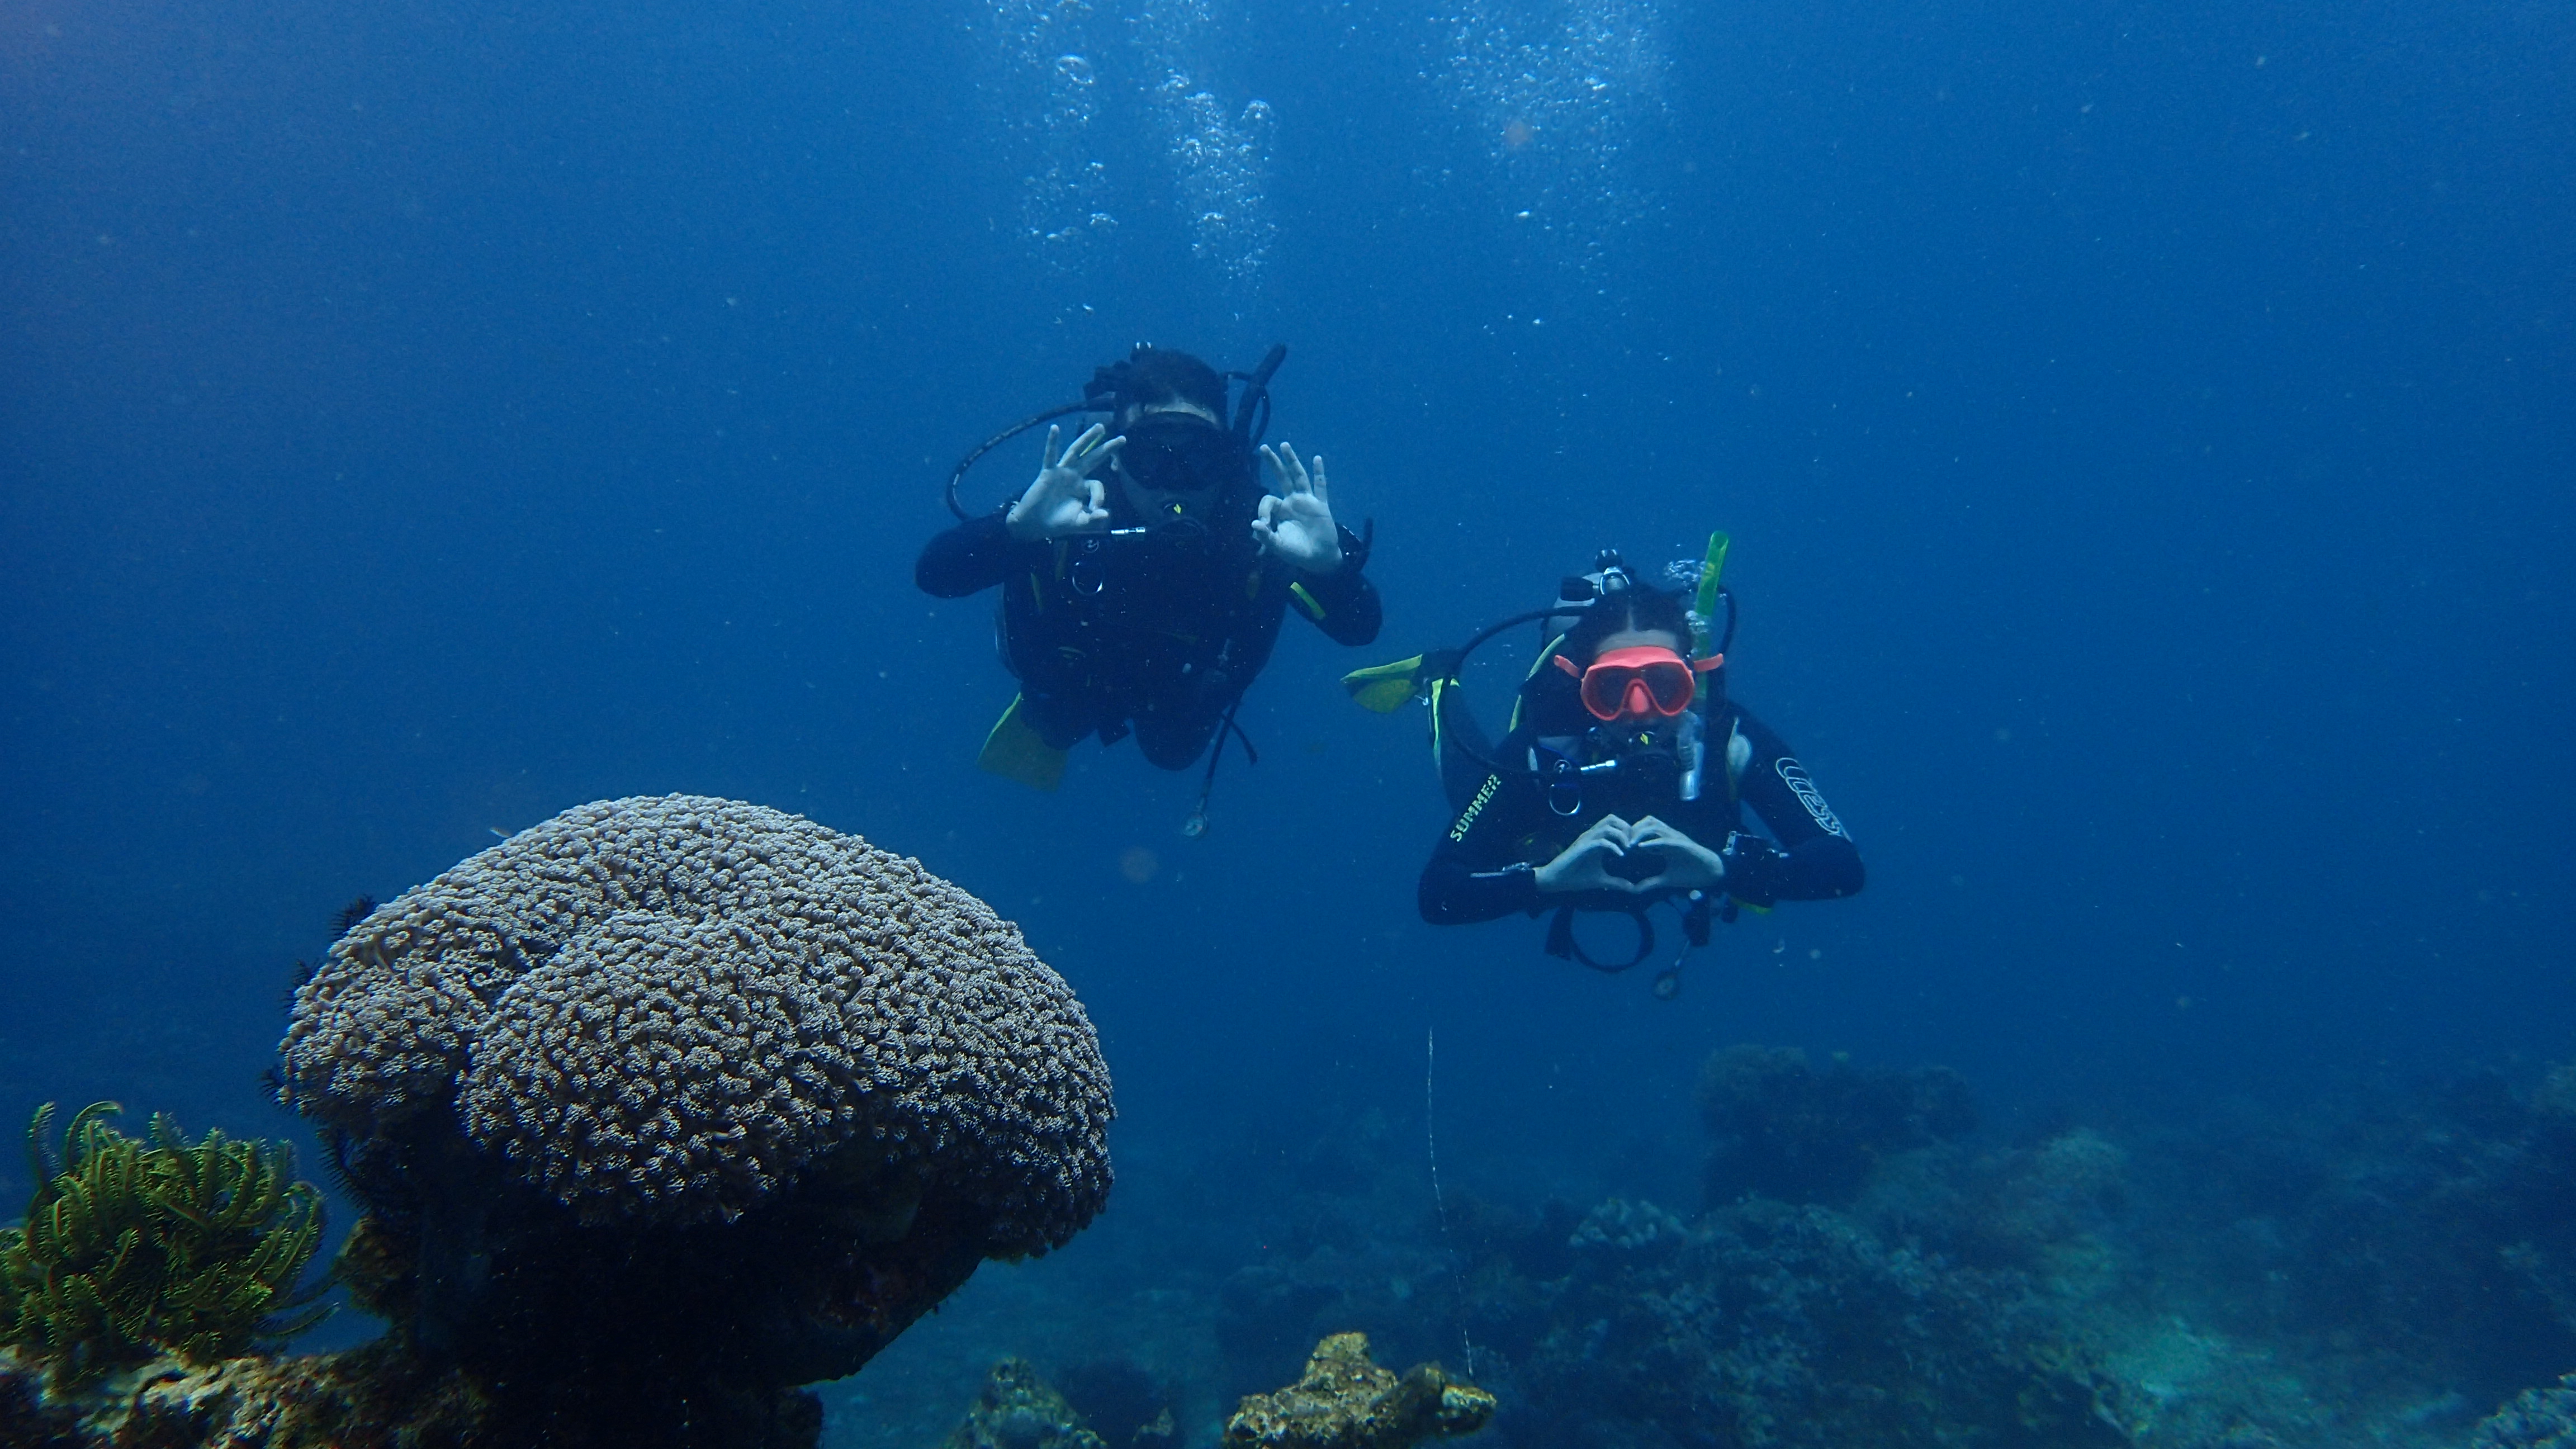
(382, 1394)
(2542, 1418)
(2412, 1231)
(1345, 1401)
(1019, 1410)
(2383, 1265)
(1784, 1129)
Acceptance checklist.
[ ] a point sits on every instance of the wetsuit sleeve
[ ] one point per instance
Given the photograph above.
(1815, 858)
(973, 556)
(1475, 872)
(1344, 604)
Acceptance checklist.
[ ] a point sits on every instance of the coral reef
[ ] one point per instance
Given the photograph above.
(1772, 1323)
(2424, 1233)
(1019, 1410)
(667, 1009)
(2541, 1418)
(1762, 1321)
(1125, 1405)
(374, 1396)
(2072, 1279)
(668, 1105)
(130, 1248)
(1783, 1129)
(1345, 1401)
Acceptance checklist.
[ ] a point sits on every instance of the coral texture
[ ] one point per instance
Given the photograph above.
(2542, 1418)
(1345, 1401)
(1784, 1129)
(664, 1009)
(1772, 1324)
(1019, 1410)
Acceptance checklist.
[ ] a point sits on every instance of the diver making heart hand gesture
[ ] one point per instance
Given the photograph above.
(1679, 862)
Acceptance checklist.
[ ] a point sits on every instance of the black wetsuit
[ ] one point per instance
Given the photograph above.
(1485, 864)
(1157, 631)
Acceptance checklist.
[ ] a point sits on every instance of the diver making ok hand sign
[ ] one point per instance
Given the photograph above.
(1144, 572)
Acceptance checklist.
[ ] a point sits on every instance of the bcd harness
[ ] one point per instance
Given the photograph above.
(1560, 767)
(1083, 566)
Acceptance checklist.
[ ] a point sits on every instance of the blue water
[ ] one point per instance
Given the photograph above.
(2145, 429)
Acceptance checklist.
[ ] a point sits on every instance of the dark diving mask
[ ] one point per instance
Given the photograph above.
(1178, 453)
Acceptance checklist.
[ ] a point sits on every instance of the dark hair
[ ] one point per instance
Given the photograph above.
(1153, 375)
(1634, 607)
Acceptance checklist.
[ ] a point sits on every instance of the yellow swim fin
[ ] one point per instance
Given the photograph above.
(1016, 751)
(1385, 688)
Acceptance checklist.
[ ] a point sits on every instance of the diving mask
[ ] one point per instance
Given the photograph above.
(1182, 453)
(1638, 682)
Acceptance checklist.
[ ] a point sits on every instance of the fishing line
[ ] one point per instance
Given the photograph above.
(1449, 1249)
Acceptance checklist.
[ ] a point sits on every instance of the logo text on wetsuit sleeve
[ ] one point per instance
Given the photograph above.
(1475, 807)
(1794, 775)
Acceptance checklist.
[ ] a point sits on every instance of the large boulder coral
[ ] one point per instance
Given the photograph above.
(695, 1084)
(665, 1009)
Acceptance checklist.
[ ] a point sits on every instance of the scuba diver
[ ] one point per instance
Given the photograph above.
(1145, 572)
(1622, 781)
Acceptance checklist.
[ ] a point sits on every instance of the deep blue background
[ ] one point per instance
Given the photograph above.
(2145, 428)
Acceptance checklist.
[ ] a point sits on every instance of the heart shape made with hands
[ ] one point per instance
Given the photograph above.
(1640, 855)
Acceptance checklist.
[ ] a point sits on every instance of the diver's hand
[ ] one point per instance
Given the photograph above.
(1065, 498)
(1296, 523)
(1583, 866)
(1687, 864)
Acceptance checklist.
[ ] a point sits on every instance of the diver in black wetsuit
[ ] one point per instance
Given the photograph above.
(1145, 574)
(1622, 786)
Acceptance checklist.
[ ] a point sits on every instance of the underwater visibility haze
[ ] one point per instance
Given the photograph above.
(2144, 429)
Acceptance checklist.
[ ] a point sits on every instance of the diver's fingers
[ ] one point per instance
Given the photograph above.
(1321, 495)
(1069, 457)
(1095, 499)
(1286, 472)
(1100, 457)
(1048, 457)
(1088, 451)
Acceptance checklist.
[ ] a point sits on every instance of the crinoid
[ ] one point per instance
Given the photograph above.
(133, 1247)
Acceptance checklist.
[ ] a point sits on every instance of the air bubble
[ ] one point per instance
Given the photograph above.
(1517, 70)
